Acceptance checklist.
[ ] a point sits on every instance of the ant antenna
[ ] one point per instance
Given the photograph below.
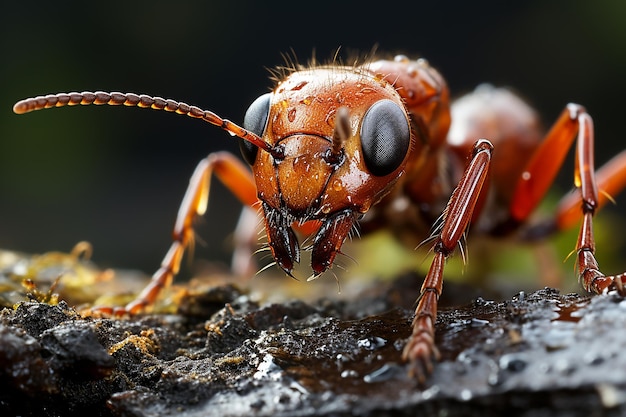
(341, 133)
(142, 101)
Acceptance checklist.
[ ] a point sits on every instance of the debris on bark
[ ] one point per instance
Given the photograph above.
(224, 354)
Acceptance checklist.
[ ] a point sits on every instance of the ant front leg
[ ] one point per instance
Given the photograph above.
(420, 349)
(539, 175)
(236, 177)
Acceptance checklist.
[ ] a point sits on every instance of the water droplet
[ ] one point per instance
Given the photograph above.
(384, 373)
(478, 322)
(371, 343)
(466, 395)
(610, 395)
(593, 358)
(282, 399)
(401, 58)
(431, 392)
(349, 373)
(512, 363)
(564, 367)
(495, 379)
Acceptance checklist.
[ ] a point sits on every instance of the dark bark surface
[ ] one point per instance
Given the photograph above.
(222, 354)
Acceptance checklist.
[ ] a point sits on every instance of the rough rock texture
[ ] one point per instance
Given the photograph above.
(535, 354)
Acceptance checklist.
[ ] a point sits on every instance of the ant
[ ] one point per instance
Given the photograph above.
(381, 145)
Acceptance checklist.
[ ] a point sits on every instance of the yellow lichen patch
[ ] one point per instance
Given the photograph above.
(50, 276)
(46, 296)
(213, 328)
(142, 342)
(225, 361)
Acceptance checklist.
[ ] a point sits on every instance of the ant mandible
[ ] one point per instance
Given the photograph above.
(333, 146)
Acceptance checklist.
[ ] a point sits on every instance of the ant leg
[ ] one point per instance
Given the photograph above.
(539, 175)
(541, 170)
(236, 177)
(246, 239)
(589, 273)
(420, 349)
(610, 179)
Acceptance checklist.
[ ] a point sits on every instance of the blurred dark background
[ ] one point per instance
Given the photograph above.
(115, 176)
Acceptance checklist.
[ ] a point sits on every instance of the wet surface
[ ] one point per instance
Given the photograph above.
(223, 354)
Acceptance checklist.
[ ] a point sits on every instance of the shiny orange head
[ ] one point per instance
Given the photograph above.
(339, 139)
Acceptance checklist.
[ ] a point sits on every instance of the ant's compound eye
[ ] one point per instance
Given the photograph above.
(385, 137)
(255, 121)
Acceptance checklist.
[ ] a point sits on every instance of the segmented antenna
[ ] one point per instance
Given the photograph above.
(137, 100)
(341, 132)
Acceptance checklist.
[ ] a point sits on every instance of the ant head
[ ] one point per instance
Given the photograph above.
(340, 138)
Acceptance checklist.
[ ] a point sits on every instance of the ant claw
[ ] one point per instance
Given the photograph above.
(421, 352)
(618, 284)
(603, 284)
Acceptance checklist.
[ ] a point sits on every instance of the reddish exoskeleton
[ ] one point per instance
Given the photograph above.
(331, 146)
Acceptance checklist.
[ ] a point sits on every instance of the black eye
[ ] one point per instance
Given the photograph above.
(385, 137)
(255, 121)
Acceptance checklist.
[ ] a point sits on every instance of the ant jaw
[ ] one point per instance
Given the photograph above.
(329, 239)
(326, 244)
(281, 238)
